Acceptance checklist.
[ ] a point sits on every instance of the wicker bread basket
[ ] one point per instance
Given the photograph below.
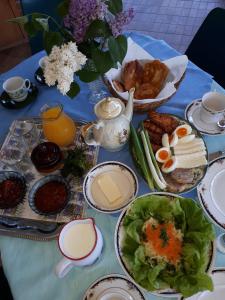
(142, 107)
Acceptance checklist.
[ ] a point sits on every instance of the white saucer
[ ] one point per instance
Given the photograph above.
(218, 277)
(125, 179)
(209, 192)
(113, 286)
(192, 114)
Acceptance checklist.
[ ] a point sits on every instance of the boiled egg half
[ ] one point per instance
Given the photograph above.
(169, 140)
(183, 130)
(170, 165)
(163, 154)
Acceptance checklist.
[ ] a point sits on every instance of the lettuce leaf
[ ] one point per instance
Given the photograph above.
(189, 276)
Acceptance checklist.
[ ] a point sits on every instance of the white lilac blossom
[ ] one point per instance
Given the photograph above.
(61, 65)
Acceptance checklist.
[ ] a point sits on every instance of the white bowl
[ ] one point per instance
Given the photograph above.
(125, 179)
(118, 237)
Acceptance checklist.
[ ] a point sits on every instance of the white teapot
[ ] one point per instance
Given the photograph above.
(112, 129)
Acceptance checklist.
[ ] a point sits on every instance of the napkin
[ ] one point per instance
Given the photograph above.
(177, 66)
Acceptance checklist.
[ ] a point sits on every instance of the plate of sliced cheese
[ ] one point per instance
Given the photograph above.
(171, 150)
(110, 186)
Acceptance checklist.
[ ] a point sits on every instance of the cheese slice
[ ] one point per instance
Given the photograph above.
(109, 188)
(187, 162)
(197, 148)
(194, 143)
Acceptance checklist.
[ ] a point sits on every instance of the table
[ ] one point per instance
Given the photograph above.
(29, 265)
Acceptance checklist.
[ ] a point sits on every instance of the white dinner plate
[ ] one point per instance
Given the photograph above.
(113, 286)
(124, 178)
(192, 114)
(218, 277)
(211, 191)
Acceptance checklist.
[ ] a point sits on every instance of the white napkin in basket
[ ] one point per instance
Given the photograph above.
(177, 66)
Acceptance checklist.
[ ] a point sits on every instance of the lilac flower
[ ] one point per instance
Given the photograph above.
(121, 19)
(81, 14)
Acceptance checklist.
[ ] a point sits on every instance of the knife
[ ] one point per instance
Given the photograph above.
(216, 154)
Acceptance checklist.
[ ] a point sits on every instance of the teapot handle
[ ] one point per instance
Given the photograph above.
(89, 135)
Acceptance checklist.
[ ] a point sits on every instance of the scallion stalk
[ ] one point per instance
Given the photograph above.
(141, 158)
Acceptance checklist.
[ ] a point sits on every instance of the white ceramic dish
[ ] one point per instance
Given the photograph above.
(118, 238)
(113, 286)
(218, 277)
(192, 114)
(125, 179)
(209, 197)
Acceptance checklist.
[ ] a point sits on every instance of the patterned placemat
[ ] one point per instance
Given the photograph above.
(75, 208)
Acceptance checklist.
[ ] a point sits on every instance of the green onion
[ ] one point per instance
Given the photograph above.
(141, 158)
(153, 157)
(158, 182)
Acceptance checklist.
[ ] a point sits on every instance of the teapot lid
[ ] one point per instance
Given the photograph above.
(109, 108)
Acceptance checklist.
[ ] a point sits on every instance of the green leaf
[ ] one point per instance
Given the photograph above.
(74, 90)
(102, 60)
(20, 20)
(62, 8)
(51, 39)
(98, 28)
(118, 48)
(30, 28)
(43, 22)
(87, 75)
(115, 6)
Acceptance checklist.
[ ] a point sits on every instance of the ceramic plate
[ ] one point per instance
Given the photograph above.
(211, 191)
(7, 102)
(218, 277)
(113, 286)
(39, 76)
(192, 114)
(118, 240)
(124, 178)
(172, 185)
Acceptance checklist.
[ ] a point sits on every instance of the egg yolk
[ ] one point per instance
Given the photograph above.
(163, 154)
(164, 241)
(181, 132)
(168, 164)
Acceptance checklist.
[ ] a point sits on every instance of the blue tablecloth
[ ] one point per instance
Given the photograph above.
(28, 264)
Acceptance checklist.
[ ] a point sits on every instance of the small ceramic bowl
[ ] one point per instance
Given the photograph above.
(34, 202)
(12, 199)
(46, 157)
(121, 178)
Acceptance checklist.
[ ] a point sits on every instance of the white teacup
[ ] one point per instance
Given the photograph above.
(80, 242)
(17, 88)
(212, 108)
(41, 62)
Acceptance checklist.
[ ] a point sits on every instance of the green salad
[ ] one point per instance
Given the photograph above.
(167, 244)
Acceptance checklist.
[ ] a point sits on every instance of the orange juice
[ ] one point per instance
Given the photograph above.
(58, 127)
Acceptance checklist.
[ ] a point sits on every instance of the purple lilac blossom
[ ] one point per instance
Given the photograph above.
(81, 14)
(121, 19)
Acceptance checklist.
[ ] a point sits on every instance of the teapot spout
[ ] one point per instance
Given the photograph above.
(128, 113)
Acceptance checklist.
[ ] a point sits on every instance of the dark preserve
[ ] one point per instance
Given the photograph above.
(11, 192)
(51, 197)
(46, 157)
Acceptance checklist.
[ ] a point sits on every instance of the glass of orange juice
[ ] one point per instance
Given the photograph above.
(58, 127)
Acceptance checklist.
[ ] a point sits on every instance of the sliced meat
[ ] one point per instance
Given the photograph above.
(172, 185)
(155, 138)
(155, 147)
(165, 121)
(152, 127)
(183, 175)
